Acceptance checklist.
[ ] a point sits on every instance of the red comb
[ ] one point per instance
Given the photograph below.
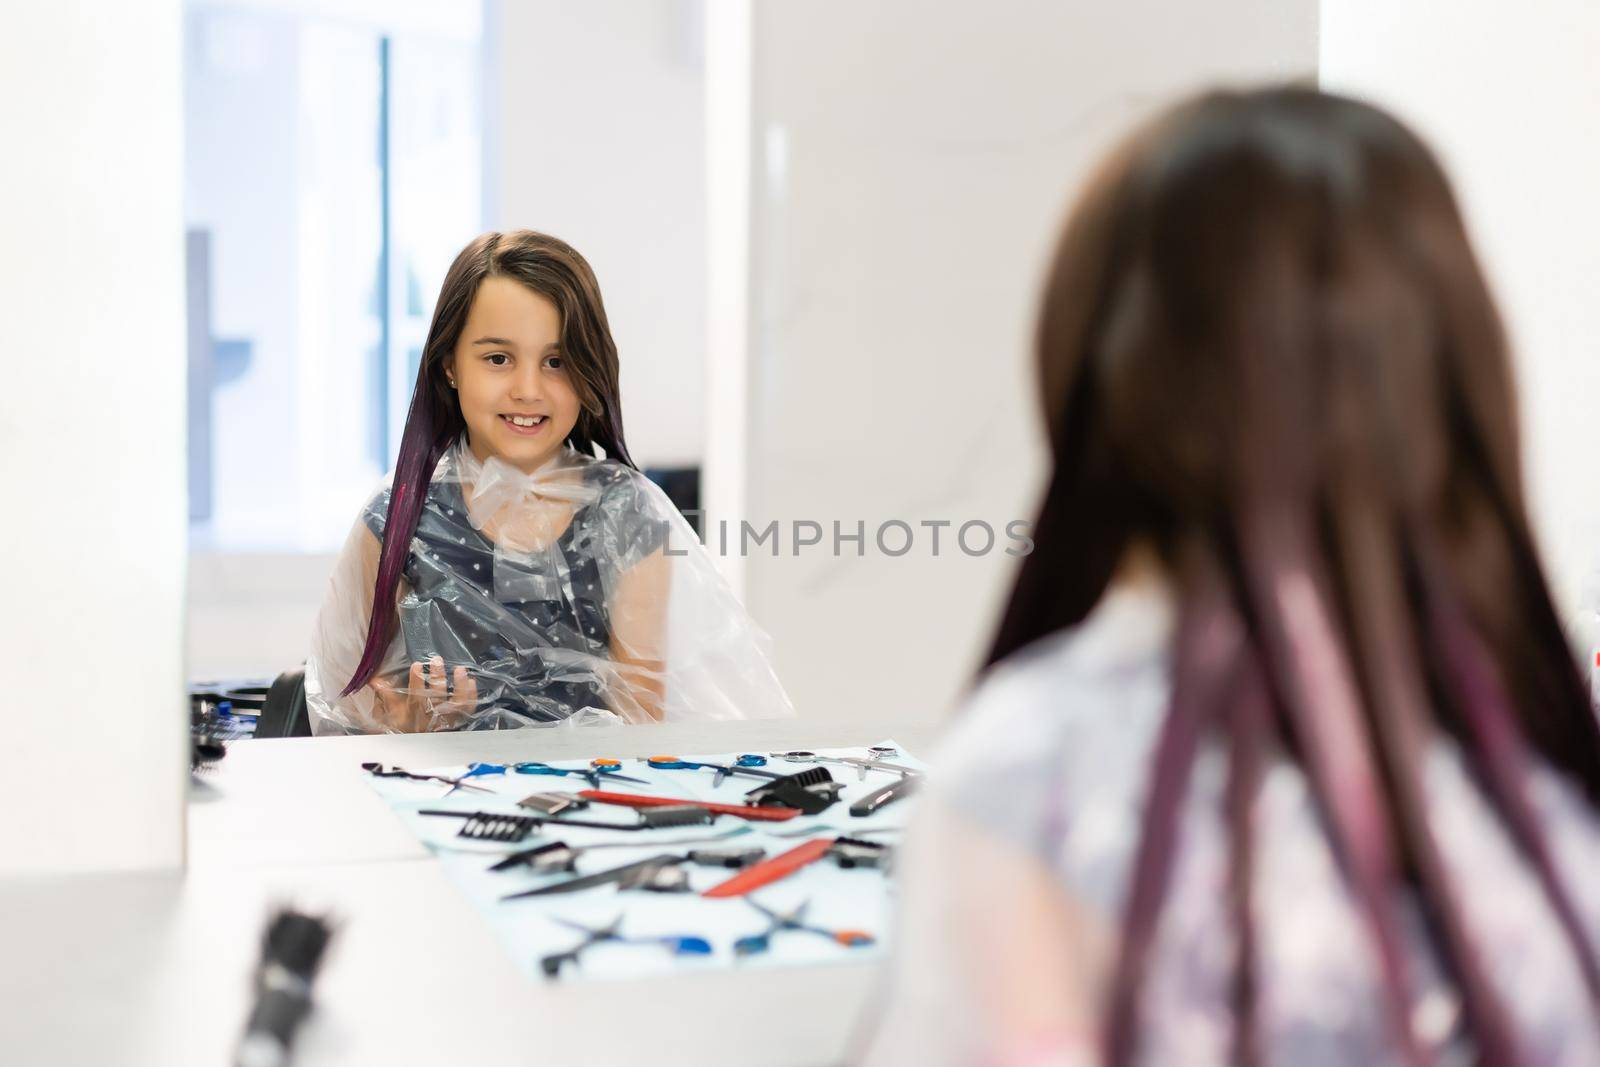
(743, 811)
(777, 867)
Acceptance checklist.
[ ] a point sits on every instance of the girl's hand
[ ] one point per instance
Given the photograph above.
(426, 703)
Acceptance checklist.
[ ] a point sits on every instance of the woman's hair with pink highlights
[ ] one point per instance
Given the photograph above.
(1266, 349)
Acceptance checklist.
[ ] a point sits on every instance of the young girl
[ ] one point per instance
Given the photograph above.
(506, 576)
(1283, 758)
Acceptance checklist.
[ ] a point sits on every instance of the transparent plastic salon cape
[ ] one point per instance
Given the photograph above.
(574, 594)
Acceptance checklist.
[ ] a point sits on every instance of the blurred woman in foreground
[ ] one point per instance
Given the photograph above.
(1282, 757)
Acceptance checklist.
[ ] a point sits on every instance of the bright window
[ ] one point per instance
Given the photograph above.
(334, 166)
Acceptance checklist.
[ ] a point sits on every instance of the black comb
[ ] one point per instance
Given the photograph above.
(511, 829)
(491, 826)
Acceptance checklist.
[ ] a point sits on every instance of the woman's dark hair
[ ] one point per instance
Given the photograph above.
(1266, 351)
(553, 269)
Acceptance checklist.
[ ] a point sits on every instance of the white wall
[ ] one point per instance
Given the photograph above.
(1509, 95)
(251, 614)
(598, 114)
(92, 437)
(913, 161)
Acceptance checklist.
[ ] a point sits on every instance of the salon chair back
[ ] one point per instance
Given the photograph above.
(285, 714)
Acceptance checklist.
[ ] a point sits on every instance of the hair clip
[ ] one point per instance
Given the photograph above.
(734, 858)
(854, 852)
(552, 803)
(809, 791)
(909, 777)
(550, 858)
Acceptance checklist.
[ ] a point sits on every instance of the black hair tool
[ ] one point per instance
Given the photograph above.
(552, 803)
(640, 874)
(811, 791)
(291, 952)
(511, 828)
(854, 852)
(555, 857)
(551, 857)
(885, 795)
(733, 858)
(907, 782)
(493, 825)
(658, 874)
(205, 751)
(209, 734)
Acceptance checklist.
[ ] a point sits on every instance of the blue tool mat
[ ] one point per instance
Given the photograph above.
(856, 899)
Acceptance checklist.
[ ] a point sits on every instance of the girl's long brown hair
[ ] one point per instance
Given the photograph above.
(1266, 349)
(555, 270)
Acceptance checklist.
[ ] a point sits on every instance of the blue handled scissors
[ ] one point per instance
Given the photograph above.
(793, 919)
(677, 944)
(597, 769)
(476, 770)
(745, 764)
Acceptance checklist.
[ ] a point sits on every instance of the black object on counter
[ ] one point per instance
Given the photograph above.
(291, 952)
(812, 790)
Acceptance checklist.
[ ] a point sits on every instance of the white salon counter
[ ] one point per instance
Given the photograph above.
(154, 968)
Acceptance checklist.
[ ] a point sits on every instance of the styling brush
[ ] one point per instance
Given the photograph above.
(291, 952)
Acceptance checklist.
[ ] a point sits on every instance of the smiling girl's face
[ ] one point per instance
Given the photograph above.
(509, 375)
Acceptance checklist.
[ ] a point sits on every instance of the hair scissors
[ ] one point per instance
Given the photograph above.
(476, 770)
(793, 919)
(745, 765)
(377, 770)
(677, 944)
(598, 768)
(862, 765)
